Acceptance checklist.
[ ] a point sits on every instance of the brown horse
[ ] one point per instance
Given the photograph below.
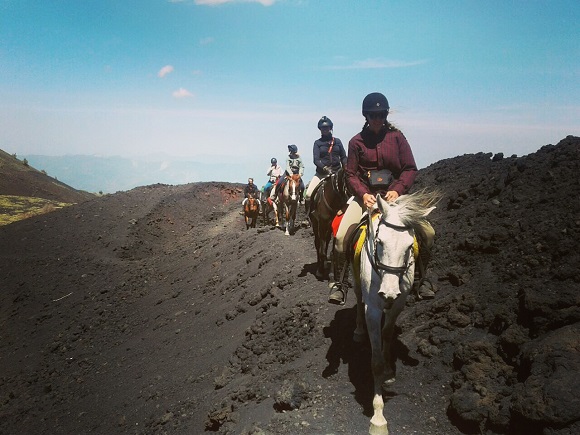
(326, 200)
(251, 212)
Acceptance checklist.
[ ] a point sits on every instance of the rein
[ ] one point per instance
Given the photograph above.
(339, 193)
(376, 264)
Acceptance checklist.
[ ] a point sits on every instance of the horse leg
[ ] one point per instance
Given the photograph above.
(287, 217)
(323, 250)
(387, 334)
(275, 207)
(292, 217)
(360, 334)
(373, 321)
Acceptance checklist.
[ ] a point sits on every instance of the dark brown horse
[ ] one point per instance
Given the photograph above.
(326, 200)
(251, 212)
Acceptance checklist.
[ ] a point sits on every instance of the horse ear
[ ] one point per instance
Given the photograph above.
(382, 204)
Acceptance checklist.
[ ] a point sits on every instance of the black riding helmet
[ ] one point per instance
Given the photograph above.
(293, 148)
(325, 122)
(375, 102)
(273, 160)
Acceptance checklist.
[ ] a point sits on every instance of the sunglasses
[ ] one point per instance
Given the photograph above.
(377, 115)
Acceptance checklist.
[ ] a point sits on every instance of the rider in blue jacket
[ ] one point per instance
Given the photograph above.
(328, 155)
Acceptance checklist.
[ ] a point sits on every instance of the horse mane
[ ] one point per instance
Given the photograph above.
(414, 208)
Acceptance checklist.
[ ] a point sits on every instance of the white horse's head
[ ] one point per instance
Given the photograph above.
(394, 234)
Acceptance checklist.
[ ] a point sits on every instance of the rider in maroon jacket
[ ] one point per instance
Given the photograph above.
(378, 146)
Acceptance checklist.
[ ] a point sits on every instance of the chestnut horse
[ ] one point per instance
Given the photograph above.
(289, 198)
(251, 212)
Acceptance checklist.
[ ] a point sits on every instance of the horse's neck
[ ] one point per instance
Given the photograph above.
(290, 185)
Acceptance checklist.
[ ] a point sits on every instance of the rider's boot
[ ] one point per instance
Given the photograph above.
(423, 287)
(339, 288)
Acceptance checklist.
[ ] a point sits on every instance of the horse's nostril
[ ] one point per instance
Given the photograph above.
(388, 300)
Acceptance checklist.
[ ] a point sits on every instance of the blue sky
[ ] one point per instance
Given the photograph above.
(220, 79)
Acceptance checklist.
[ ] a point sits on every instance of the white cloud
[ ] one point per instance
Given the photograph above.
(164, 71)
(221, 2)
(207, 40)
(182, 93)
(377, 64)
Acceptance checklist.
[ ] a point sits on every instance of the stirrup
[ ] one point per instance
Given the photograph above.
(337, 294)
(429, 293)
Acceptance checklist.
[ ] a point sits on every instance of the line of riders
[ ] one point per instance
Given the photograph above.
(329, 156)
(379, 146)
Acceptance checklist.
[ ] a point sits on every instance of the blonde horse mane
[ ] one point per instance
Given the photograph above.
(414, 208)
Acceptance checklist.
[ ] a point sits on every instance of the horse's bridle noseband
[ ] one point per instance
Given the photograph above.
(379, 267)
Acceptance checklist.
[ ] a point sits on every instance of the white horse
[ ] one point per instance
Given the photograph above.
(383, 269)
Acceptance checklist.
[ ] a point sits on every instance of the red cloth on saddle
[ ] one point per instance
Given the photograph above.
(336, 223)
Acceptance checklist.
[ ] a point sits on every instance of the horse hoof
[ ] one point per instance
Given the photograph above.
(381, 429)
(389, 381)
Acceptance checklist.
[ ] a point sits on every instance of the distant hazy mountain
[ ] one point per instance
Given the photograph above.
(19, 177)
(112, 174)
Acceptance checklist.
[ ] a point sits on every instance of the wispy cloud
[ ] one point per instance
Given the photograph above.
(207, 40)
(182, 93)
(221, 2)
(377, 64)
(164, 71)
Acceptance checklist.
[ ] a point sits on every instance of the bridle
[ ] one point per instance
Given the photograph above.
(376, 264)
(292, 187)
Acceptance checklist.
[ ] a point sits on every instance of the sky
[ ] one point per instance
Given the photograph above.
(239, 80)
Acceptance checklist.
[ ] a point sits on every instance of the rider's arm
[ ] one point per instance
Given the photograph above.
(353, 176)
(406, 163)
(317, 158)
(342, 153)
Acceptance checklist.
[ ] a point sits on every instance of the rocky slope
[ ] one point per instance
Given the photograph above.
(155, 311)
